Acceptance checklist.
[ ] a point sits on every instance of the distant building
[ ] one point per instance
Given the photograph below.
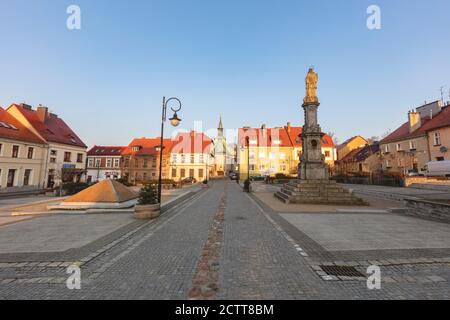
(191, 157)
(349, 145)
(424, 138)
(140, 160)
(104, 162)
(275, 150)
(64, 154)
(360, 161)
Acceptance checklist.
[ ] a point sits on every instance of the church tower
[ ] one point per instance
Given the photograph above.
(220, 151)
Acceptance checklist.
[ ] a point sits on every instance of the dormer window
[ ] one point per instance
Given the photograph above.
(136, 148)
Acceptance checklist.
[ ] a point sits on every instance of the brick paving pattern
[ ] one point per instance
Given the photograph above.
(261, 256)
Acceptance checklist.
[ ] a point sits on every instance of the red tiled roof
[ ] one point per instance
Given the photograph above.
(105, 151)
(53, 130)
(191, 142)
(148, 146)
(17, 131)
(403, 132)
(442, 119)
(287, 137)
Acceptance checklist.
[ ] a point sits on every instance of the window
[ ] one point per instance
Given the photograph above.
(262, 167)
(174, 158)
(191, 173)
(145, 176)
(30, 152)
(154, 162)
(136, 163)
(440, 159)
(386, 148)
(399, 147)
(437, 138)
(53, 152)
(1, 148)
(183, 158)
(52, 160)
(11, 178)
(90, 163)
(388, 164)
(67, 156)
(174, 173)
(183, 173)
(327, 154)
(15, 152)
(116, 163)
(200, 173)
(108, 163)
(26, 177)
(192, 158)
(412, 145)
(201, 158)
(80, 158)
(252, 167)
(145, 163)
(98, 163)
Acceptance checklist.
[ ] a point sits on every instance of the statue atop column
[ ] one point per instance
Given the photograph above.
(311, 87)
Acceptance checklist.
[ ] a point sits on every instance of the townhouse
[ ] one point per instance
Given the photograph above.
(59, 155)
(191, 156)
(140, 160)
(423, 138)
(269, 151)
(22, 156)
(104, 162)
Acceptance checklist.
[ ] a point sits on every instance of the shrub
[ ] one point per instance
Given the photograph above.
(148, 195)
(205, 181)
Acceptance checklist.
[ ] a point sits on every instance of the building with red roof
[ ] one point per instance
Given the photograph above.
(191, 156)
(104, 162)
(423, 138)
(275, 150)
(64, 154)
(22, 156)
(140, 160)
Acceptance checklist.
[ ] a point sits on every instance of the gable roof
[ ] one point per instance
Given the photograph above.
(148, 146)
(346, 142)
(105, 151)
(53, 129)
(11, 128)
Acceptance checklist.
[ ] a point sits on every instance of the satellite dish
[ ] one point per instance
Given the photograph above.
(444, 149)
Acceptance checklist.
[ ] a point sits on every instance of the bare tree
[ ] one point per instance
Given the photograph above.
(334, 137)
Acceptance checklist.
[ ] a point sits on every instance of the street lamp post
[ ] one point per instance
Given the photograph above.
(247, 182)
(174, 121)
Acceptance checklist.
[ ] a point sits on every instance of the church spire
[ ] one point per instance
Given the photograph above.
(220, 124)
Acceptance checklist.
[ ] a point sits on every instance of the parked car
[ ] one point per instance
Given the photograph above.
(438, 168)
(233, 176)
(189, 180)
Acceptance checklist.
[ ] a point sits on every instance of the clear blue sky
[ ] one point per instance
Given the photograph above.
(245, 60)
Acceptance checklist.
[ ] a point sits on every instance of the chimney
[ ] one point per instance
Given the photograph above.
(431, 114)
(42, 113)
(289, 127)
(415, 122)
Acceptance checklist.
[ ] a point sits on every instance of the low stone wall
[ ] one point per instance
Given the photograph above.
(426, 180)
(428, 209)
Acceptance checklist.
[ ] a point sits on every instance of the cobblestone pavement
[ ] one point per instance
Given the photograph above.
(255, 254)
